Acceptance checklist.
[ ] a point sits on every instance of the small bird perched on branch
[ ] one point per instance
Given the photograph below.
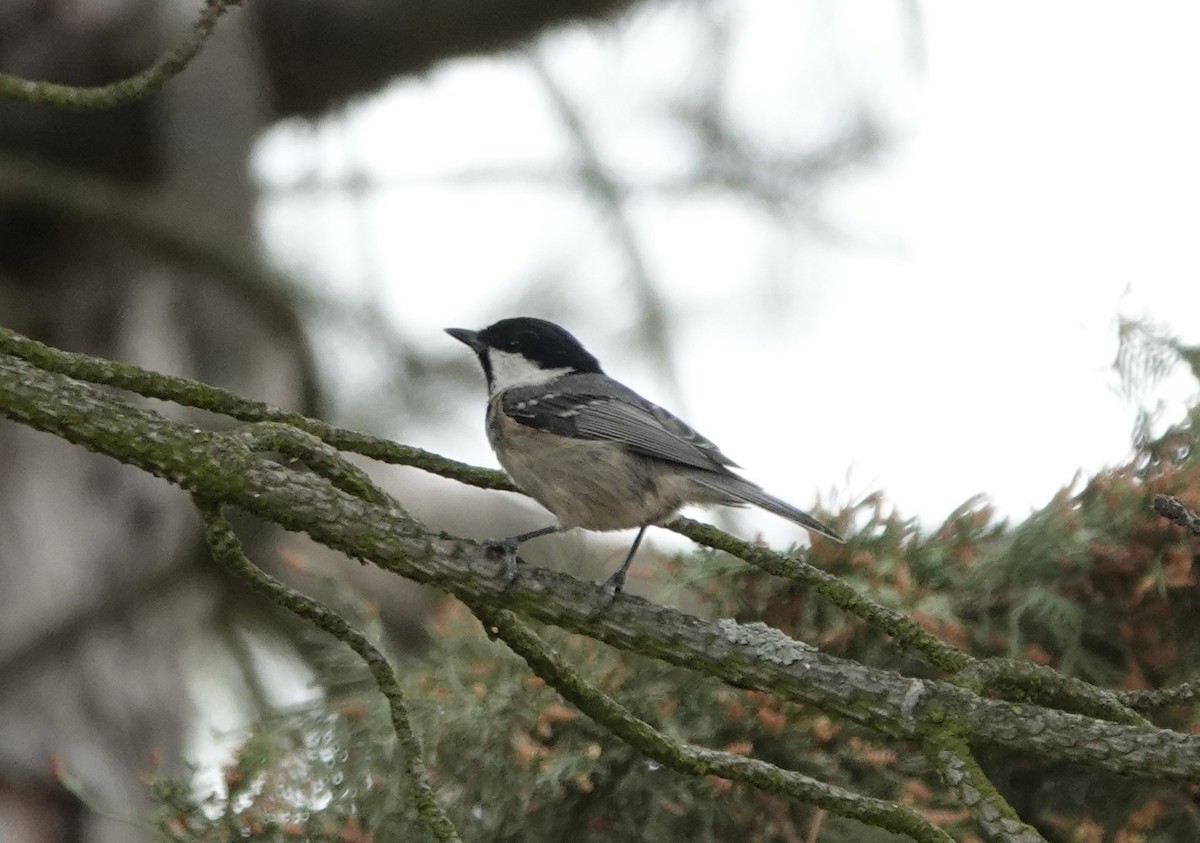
(591, 450)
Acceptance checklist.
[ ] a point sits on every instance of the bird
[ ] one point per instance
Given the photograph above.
(592, 451)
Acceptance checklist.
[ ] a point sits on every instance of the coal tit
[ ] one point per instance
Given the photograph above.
(591, 450)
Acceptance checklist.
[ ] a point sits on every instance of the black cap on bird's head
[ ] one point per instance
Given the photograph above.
(523, 340)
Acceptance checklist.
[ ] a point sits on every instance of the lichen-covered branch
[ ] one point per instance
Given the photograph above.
(834, 589)
(227, 549)
(1038, 683)
(963, 775)
(191, 393)
(1172, 508)
(319, 457)
(1162, 697)
(1031, 684)
(222, 467)
(88, 98)
(194, 394)
(696, 760)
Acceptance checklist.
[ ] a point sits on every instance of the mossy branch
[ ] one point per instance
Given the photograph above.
(963, 775)
(125, 91)
(203, 396)
(229, 468)
(1002, 674)
(227, 549)
(1034, 682)
(902, 629)
(326, 462)
(687, 758)
(1162, 697)
(317, 456)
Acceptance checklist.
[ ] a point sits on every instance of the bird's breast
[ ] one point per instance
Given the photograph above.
(586, 483)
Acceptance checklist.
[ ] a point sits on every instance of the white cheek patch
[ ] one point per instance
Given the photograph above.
(509, 370)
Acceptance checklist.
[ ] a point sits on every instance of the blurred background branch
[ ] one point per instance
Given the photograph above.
(123, 91)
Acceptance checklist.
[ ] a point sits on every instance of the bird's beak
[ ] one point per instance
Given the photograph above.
(468, 337)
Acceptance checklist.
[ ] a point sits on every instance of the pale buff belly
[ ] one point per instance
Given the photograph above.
(591, 484)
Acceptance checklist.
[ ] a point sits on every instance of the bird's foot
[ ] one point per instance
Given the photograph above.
(609, 589)
(506, 549)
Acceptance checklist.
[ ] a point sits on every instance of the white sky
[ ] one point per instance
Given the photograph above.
(1044, 178)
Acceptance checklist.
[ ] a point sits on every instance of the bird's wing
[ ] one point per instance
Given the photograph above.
(588, 406)
(591, 406)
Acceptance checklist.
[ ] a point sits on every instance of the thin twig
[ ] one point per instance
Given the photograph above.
(837, 591)
(1017, 679)
(1169, 506)
(227, 549)
(124, 91)
(687, 758)
(318, 456)
(1144, 700)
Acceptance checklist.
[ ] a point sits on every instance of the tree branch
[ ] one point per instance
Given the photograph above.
(1170, 507)
(191, 393)
(690, 759)
(963, 775)
(1018, 679)
(227, 549)
(1162, 697)
(224, 468)
(306, 40)
(125, 91)
(545, 662)
(1031, 684)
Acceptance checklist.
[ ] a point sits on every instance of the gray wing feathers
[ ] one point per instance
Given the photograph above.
(674, 425)
(632, 416)
(597, 407)
(744, 491)
(643, 431)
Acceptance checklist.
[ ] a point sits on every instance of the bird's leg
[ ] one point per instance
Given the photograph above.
(613, 585)
(508, 549)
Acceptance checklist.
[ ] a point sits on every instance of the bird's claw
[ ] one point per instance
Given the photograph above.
(609, 589)
(506, 549)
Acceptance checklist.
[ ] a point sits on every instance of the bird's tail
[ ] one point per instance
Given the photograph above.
(743, 491)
